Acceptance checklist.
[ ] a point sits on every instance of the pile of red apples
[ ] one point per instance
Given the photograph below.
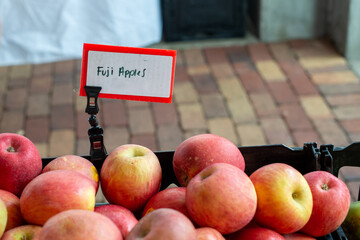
(213, 199)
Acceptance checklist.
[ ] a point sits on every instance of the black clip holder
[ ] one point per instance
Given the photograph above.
(326, 159)
(95, 132)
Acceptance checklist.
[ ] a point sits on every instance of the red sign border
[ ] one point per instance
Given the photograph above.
(120, 49)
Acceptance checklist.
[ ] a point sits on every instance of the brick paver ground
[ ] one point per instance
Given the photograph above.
(279, 93)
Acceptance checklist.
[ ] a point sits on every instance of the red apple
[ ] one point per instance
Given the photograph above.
(208, 233)
(76, 163)
(12, 203)
(163, 223)
(77, 224)
(221, 196)
(298, 236)
(284, 198)
(130, 176)
(24, 232)
(123, 218)
(331, 199)
(54, 192)
(173, 198)
(3, 217)
(256, 233)
(200, 151)
(20, 162)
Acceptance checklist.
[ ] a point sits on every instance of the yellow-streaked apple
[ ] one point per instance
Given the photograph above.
(53, 192)
(163, 223)
(24, 232)
(123, 218)
(12, 203)
(3, 217)
(284, 198)
(208, 233)
(77, 224)
(130, 176)
(75, 163)
(202, 150)
(221, 196)
(173, 198)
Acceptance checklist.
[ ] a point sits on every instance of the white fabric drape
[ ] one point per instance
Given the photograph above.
(38, 31)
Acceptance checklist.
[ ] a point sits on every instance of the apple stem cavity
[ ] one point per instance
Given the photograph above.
(205, 175)
(186, 179)
(138, 153)
(144, 231)
(11, 149)
(324, 187)
(294, 195)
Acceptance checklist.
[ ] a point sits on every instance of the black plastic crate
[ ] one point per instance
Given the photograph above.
(302, 158)
(203, 19)
(305, 159)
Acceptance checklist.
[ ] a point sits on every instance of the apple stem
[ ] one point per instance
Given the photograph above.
(324, 187)
(11, 149)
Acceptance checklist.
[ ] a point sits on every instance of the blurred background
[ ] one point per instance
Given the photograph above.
(256, 72)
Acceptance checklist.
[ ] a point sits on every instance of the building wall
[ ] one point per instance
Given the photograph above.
(352, 51)
(288, 19)
(337, 20)
(281, 20)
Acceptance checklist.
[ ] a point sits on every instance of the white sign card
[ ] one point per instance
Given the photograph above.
(129, 73)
